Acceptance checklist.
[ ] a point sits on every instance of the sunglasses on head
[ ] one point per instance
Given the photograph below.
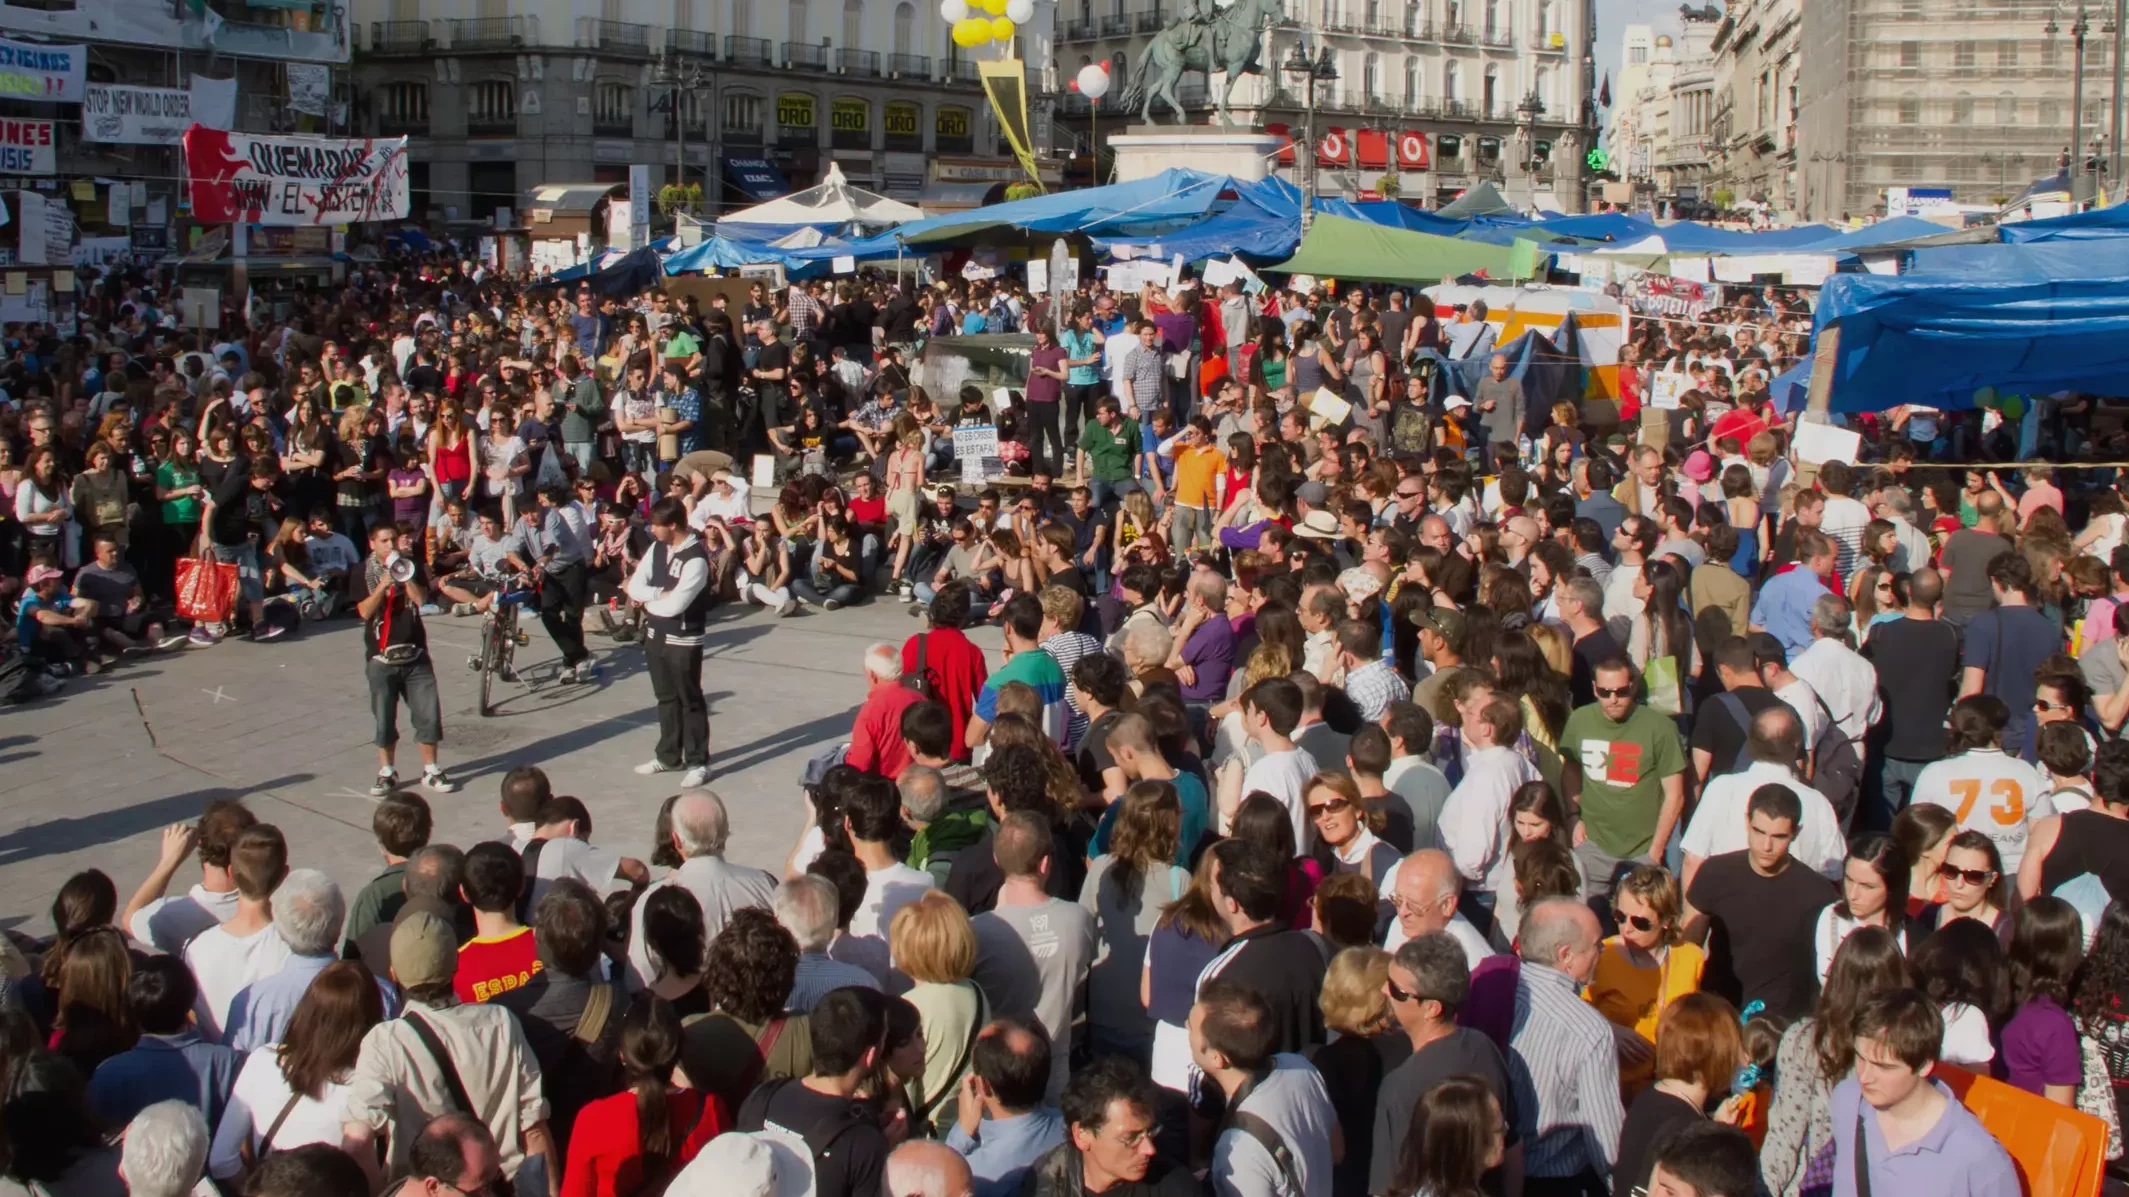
(1970, 876)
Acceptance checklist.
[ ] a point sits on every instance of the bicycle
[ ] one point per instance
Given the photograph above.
(499, 638)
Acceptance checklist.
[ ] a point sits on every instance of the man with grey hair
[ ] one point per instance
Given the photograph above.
(1423, 889)
(430, 883)
(1567, 1113)
(1847, 685)
(1911, 549)
(943, 825)
(807, 908)
(876, 744)
(700, 829)
(1581, 605)
(921, 1168)
(1429, 982)
(308, 910)
(165, 1150)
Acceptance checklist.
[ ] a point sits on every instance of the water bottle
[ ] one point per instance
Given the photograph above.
(1522, 449)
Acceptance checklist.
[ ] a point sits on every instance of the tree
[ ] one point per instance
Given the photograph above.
(1387, 185)
(1723, 198)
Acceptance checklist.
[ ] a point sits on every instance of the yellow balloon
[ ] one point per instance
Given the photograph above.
(971, 31)
(1002, 28)
(994, 7)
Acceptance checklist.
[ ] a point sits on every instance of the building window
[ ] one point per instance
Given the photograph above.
(1910, 54)
(494, 101)
(2051, 114)
(1493, 16)
(1413, 79)
(1963, 55)
(1545, 24)
(905, 24)
(742, 115)
(2006, 110)
(613, 104)
(1963, 110)
(853, 24)
(1910, 111)
(406, 103)
(683, 14)
(1490, 96)
(743, 18)
(1638, 56)
(2006, 53)
(1371, 76)
(1452, 81)
(2051, 53)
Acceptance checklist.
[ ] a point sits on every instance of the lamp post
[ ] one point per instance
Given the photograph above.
(2004, 162)
(1311, 69)
(1526, 122)
(2079, 27)
(681, 79)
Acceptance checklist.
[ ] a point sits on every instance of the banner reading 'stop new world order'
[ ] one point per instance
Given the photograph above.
(238, 177)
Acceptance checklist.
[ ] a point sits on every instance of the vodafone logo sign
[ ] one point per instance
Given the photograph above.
(1333, 146)
(1412, 150)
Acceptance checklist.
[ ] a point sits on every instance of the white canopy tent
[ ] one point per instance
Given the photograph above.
(833, 201)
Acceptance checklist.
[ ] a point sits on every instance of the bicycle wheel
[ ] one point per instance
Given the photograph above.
(491, 661)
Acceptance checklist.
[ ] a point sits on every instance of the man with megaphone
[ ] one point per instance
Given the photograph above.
(397, 650)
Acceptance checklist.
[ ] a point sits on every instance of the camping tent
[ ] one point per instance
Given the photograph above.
(833, 202)
(1482, 200)
(1600, 319)
(1354, 250)
(2097, 222)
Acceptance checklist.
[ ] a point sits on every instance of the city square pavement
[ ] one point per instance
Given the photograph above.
(286, 727)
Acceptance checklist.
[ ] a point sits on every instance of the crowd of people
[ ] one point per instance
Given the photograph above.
(1436, 791)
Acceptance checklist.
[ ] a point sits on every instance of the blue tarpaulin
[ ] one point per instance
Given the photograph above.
(2028, 261)
(2098, 222)
(1938, 340)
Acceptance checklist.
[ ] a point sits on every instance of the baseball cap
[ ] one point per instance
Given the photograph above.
(763, 1163)
(1315, 494)
(42, 573)
(1319, 525)
(424, 951)
(1445, 622)
(1454, 402)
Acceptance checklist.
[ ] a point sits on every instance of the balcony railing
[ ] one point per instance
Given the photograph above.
(489, 33)
(1497, 39)
(1077, 31)
(909, 66)
(613, 127)
(805, 56)
(1458, 35)
(691, 41)
(1423, 106)
(1543, 43)
(1456, 108)
(748, 51)
(400, 37)
(622, 37)
(1118, 26)
(1419, 29)
(962, 70)
(1148, 22)
(858, 62)
(490, 125)
(1381, 103)
(389, 125)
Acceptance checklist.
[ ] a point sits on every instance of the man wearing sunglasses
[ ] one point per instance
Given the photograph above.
(1758, 909)
(1623, 767)
(1428, 983)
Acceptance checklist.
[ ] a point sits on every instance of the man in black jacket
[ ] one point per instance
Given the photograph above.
(245, 501)
(1282, 965)
(723, 369)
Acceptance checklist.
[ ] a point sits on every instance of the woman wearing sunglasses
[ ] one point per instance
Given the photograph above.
(1972, 874)
(1643, 969)
(1346, 830)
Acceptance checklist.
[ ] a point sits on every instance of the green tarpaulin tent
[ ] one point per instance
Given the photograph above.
(1482, 200)
(1341, 248)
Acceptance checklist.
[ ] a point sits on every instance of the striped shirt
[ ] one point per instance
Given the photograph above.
(1037, 670)
(1068, 648)
(1571, 1117)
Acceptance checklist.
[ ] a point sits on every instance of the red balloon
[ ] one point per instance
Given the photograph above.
(1074, 85)
(1104, 66)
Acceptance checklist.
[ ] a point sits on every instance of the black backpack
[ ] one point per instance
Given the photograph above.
(1837, 770)
(821, 1136)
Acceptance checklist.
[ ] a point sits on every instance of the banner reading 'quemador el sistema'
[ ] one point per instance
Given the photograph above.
(239, 177)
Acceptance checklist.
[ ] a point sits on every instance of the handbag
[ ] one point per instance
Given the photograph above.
(2095, 1093)
(1664, 696)
(206, 588)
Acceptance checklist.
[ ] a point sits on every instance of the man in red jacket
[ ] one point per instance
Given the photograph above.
(954, 669)
(876, 744)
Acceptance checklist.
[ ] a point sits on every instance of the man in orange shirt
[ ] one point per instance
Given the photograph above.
(1200, 483)
(501, 956)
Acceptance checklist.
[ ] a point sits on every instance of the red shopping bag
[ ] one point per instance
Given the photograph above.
(206, 589)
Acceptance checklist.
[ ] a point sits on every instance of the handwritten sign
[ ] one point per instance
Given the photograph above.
(976, 448)
(26, 147)
(239, 177)
(34, 71)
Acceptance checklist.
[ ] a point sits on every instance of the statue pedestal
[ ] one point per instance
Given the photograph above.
(1143, 151)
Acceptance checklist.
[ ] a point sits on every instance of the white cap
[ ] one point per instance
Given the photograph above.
(1456, 401)
(763, 1163)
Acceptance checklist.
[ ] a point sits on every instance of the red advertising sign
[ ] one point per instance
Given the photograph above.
(1412, 150)
(1374, 146)
(1286, 142)
(1334, 147)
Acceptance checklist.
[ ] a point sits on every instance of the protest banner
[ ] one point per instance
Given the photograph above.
(123, 115)
(50, 74)
(239, 177)
(26, 147)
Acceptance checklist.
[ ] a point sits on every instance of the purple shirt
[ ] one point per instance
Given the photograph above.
(1041, 387)
(2040, 1047)
(1957, 1158)
(1178, 330)
(1211, 652)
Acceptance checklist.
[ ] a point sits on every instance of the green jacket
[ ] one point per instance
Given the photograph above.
(934, 846)
(586, 403)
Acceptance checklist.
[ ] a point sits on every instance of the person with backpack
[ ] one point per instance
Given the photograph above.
(1275, 1138)
(843, 1133)
(1718, 823)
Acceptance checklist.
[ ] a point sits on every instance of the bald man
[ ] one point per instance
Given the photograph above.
(1424, 888)
(1569, 1113)
(700, 829)
(921, 1168)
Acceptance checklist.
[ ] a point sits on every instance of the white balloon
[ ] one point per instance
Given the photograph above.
(954, 10)
(1093, 81)
(1020, 12)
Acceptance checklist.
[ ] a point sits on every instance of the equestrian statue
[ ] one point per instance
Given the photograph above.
(1203, 37)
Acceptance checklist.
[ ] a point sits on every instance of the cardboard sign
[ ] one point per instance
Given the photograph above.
(26, 147)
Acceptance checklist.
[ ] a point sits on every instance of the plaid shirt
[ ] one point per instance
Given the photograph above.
(1373, 687)
(805, 312)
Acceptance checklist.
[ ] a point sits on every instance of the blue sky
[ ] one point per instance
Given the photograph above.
(1613, 16)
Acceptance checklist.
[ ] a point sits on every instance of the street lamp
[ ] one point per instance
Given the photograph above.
(1312, 69)
(682, 80)
(2078, 29)
(1526, 120)
(2004, 162)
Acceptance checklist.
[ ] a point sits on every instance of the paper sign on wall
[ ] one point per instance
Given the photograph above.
(1817, 444)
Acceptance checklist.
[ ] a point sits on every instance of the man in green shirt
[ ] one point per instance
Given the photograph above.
(583, 408)
(1624, 766)
(1110, 452)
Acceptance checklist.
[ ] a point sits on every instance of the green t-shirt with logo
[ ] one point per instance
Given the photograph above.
(1624, 766)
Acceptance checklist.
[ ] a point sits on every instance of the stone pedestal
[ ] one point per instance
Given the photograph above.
(1142, 151)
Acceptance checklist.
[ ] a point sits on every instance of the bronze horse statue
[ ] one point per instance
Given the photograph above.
(1230, 40)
